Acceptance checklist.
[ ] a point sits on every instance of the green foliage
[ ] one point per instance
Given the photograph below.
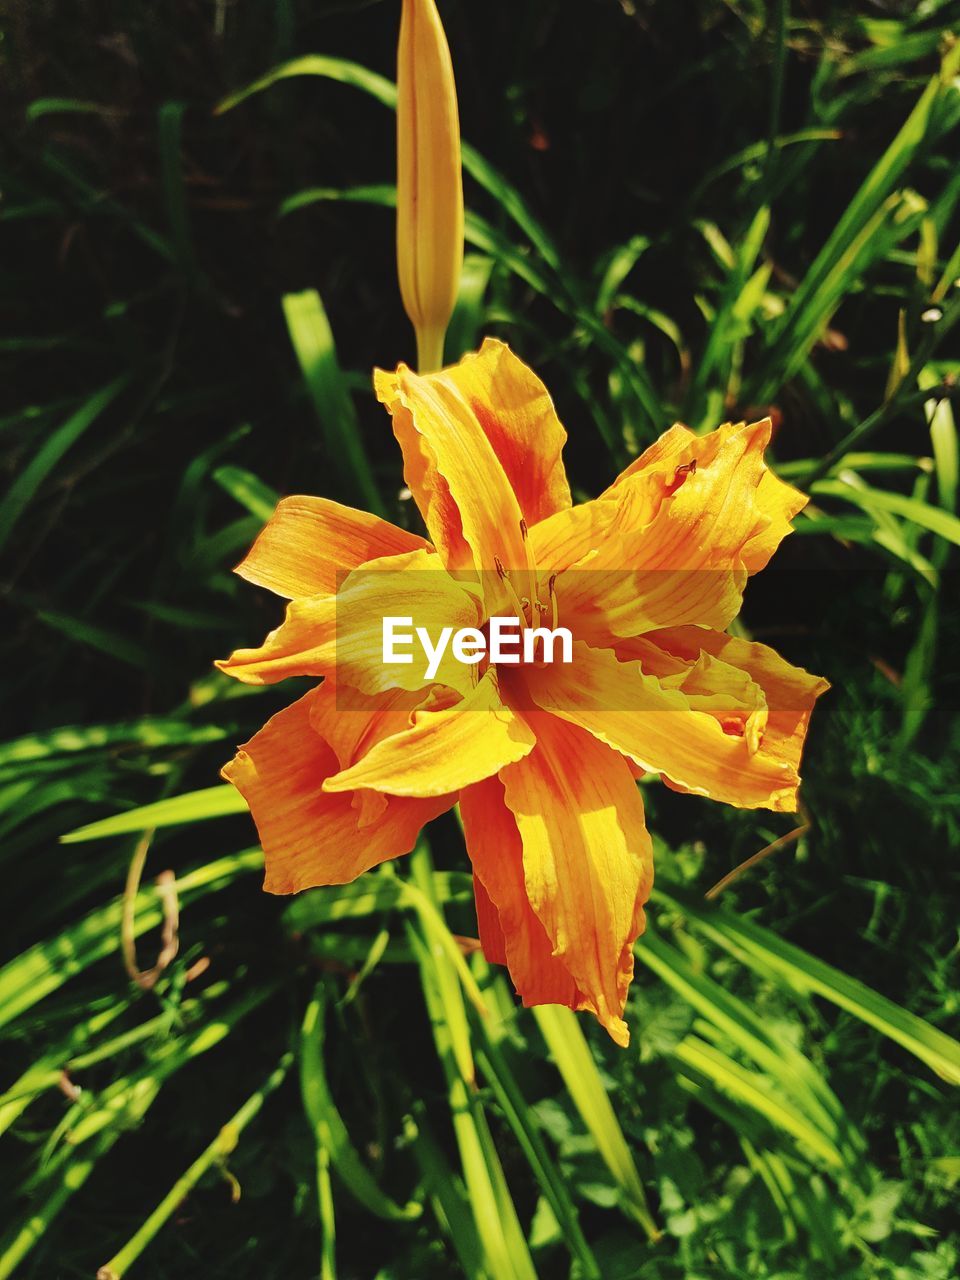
(674, 212)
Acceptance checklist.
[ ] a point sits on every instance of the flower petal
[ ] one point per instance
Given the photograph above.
(459, 483)
(695, 515)
(776, 502)
(789, 692)
(510, 930)
(444, 750)
(587, 859)
(517, 416)
(659, 729)
(308, 541)
(343, 633)
(309, 837)
(492, 942)
(570, 535)
(351, 724)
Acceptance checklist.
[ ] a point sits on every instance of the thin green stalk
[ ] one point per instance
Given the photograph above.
(780, 15)
(572, 1057)
(223, 1145)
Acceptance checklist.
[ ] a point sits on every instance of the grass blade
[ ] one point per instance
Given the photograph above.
(330, 1132)
(25, 487)
(218, 1150)
(802, 972)
(313, 343)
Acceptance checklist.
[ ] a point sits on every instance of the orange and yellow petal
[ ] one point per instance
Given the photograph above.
(308, 836)
(587, 859)
(444, 749)
(344, 633)
(789, 692)
(459, 483)
(308, 542)
(352, 723)
(660, 729)
(492, 942)
(695, 515)
(510, 931)
(775, 502)
(516, 414)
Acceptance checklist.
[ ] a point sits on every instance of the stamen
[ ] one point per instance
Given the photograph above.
(552, 595)
(523, 529)
(522, 604)
(680, 474)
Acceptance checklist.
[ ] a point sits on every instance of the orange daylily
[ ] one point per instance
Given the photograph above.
(543, 758)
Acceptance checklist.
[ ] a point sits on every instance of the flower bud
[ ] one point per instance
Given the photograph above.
(429, 179)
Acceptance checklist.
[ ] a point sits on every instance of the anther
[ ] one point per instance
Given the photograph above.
(680, 474)
(523, 529)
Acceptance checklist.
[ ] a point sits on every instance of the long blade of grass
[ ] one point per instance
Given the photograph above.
(313, 343)
(505, 1248)
(848, 246)
(71, 740)
(572, 1057)
(195, 806)
(222, 1146)
(879, 501)
(24, 488)
(754, 1090)
(802, 972)
(330, 1132)
(44, 967)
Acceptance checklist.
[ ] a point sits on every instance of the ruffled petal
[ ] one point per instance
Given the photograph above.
(351, 724)
(308, 542)
(492, 942)
(443, 750)
(788, 692)
(517, 416)
(343, 634)
(309, 837)
(587, 859)
(775, 502)
(660, 729)
(510, 930)
(693, 517)
(458, 481)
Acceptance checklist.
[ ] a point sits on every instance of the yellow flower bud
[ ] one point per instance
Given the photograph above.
(429, 179)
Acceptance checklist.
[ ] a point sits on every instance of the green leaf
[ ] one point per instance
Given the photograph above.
(878, 501)
(572, 1057)
(249, 490)
(329, 1130)
(43, 968)
(312, 340)
(802, 972)
(195, 806)
(25, 487)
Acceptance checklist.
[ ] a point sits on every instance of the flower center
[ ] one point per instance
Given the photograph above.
(532, 614)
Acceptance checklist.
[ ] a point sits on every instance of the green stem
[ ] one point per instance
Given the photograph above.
(776, 88)
(430, 349)
(898, 403)
(223, 1144)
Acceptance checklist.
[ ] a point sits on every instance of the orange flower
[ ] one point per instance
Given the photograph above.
(543, 757)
